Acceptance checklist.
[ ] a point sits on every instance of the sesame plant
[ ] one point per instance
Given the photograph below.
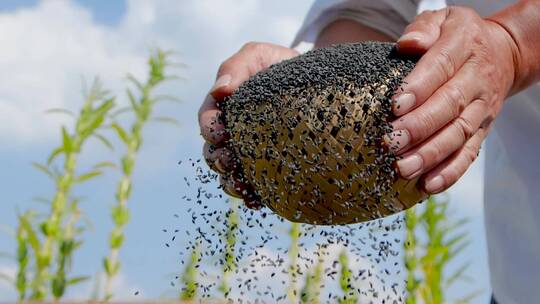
(142, 107)
(313, 282)
(433, 241)
(189, 276)
(294, 234)
(229, 264)
(23, 254)
(52, 240)
(346, 280)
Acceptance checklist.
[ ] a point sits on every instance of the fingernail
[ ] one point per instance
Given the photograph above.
(411, 166)
(412, 36)
(435, 184)
(397, 140)
(403, 103)
(222, 81)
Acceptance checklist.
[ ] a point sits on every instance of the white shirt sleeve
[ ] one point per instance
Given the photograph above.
(387, 16)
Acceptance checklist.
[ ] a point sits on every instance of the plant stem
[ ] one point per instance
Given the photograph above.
(345, 280)
(294, 234)
(189, 277)
(22, 259)
(51, 227)
(410, 258)
(133, 140)
(312, 288)
(230, 242)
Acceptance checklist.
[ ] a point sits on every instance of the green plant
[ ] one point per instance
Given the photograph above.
(426, 262)
(294, 234)
(345, 280)
(230, 242)
(23, 256)
(142, 108)
(91, 117)
(312, 287)
(189, 277)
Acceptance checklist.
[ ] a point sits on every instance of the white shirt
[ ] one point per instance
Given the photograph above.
(512, 170)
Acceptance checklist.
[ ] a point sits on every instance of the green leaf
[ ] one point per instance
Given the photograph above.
(121, 133)
(55, 153)
(88, 176)
(120, 111)
(133, 101)
(137, 83)
(77, 280)
(43, 169)
(110, 268)
(120, 215)
(42, 200)
(104, 140)
(58, 285)
(166, 98)
(456, 275)
(33, 239)
(117, 238)
(60, 111)
(168, 120)
(105, 164)
(67, 142)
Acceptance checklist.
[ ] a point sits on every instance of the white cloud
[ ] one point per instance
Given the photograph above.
(48, 48)
(45, 52)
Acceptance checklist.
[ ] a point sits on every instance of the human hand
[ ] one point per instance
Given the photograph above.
(250, 59)
(448, 102)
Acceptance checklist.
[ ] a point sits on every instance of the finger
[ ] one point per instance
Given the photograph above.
(422, 33)
(445, 142)
(211, 122)
(436, 67)
(441, 108)
(228, 184)
(448, 172)
(252, 58)
(218, 159)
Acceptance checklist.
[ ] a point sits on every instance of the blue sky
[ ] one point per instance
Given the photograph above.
(47, 47)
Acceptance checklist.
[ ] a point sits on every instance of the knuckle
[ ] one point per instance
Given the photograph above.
(432, 154)
(423, 125)
(254, 47)
(464, 127)
(455, 98)
(463, 11)
(470, 154)
(225, 67)
(445, 63)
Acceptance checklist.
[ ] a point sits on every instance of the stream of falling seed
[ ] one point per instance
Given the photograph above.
(278, 101)
(261, 250)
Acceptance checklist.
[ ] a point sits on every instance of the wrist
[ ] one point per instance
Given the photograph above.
(521, 23)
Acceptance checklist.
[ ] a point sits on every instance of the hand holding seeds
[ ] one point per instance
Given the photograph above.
(250, 59)
(448, 102)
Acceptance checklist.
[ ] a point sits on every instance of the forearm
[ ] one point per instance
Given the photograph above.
(522, 22)
(344, 30)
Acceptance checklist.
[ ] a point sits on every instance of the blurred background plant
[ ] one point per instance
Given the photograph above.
(132, 138)
(434, 239)
(46, 241)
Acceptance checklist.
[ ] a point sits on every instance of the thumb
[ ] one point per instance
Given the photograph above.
(252, 58)
(422, 33)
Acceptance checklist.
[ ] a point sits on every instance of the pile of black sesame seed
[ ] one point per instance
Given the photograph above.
(308, 134)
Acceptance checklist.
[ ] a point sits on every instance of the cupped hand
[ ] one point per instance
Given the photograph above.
(250, 59)
(448, 102)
